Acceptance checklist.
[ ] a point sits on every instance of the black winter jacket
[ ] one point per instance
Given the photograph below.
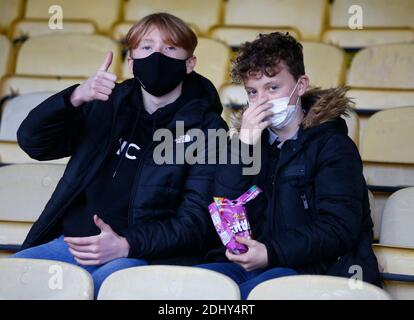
(314, 215)
(168, 220)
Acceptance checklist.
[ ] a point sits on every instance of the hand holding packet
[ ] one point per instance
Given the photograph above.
(230, 219)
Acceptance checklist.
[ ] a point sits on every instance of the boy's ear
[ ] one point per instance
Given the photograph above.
(191, 63)
(303, 85)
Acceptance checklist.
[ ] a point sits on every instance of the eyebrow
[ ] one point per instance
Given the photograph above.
(273, 82)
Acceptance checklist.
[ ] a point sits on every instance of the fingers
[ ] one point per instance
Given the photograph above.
(81, 241)
(101, 224)
(88, 262)
(91, 248)
(84, 255)
(107, 62)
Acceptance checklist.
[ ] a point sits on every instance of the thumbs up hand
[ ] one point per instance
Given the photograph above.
(97, 87)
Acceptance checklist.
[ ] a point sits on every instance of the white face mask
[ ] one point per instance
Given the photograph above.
(283, 112)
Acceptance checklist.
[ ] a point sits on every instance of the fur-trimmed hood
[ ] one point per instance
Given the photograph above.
(319, 105)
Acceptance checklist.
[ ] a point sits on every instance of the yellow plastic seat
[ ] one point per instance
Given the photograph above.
(10, 10)
(103, 13)
(71, 55)
(158, 282)
(384, 66)
(24, 191)
(388, 159)
(383, 22)
(16, 110)
(316, 287)
(5, 56)
(199, 13)
(325, 64)
(234, 36)
(29, 28)
(307, 17)
(395, 253)
(21, 85)
(32, 279)
(213, 60)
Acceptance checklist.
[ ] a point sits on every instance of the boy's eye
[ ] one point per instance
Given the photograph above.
(146, 47)
(171, 48)
(273, 88)
(251, 93)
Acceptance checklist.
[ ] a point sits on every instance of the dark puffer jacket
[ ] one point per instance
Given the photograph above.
(168, 218)
(314, 214)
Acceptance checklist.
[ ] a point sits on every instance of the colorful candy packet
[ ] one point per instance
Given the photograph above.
(230, 219)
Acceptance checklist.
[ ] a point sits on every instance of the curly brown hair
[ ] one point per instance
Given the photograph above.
(263, 55)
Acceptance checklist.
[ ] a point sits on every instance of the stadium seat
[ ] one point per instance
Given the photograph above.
(33, 279)
(199, 13)
(28, 28)
(24, 191)
(10, 10)
(325, 64)
(306, 18)
(380, 78)
(16, 110)
(213, 61)
(157, 282)
(71, 55)
(383, 22)
(395, 252)
(383, 66)
(388, 158)
(235, 36)
(5, 56)
(20, 85)
(103, 13)
(316, 287)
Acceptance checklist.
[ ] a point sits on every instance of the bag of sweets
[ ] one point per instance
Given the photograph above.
(230, 219)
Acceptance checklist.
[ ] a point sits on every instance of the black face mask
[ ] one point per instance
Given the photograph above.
(159, 74)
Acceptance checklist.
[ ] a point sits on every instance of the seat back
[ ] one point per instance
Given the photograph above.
(398, 219)
(168, 283)
(316, 287)
(32, 279)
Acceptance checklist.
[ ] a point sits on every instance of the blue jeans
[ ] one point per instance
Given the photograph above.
(247, 280)
(58, 250)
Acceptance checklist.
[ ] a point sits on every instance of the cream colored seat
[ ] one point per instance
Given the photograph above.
(388, 159)
(395, 252)
(32, 279)
(159, 282)
(29, 28)
(71, 55)
(16, 110)
(103, 13)
(199, 13)
(383, 66)
(306, 18)
(380, 78)
(24, 191)
(235, 36)
(20, 85)
(383, 22)
(10, 10)
(325, 64)
(5, 56)
(213, 59)
(316, 287)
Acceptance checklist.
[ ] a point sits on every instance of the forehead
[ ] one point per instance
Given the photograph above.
(258, 79)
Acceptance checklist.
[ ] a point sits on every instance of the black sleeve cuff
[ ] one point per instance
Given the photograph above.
(272, 257)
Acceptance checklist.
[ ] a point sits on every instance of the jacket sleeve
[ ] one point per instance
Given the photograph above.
(52, 129)
(190, 230)
(338, 191)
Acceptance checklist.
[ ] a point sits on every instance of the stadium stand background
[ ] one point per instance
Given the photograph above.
(376, 62)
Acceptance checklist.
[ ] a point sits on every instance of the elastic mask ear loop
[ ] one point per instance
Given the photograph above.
(294, 89)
